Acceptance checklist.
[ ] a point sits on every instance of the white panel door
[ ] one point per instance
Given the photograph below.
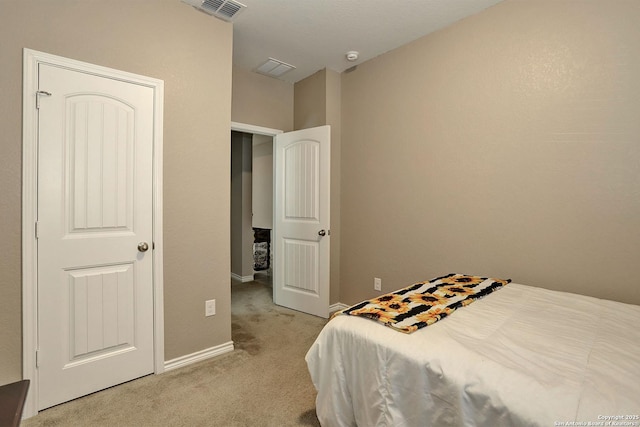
(301, 220)
(95, 285)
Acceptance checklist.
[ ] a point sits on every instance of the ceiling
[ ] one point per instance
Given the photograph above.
(316, 34)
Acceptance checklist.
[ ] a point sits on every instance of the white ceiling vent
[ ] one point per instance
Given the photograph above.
(223, 9)
(274, 68)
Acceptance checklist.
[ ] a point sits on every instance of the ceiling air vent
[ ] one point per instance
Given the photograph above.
(274, 68)
(223, 9)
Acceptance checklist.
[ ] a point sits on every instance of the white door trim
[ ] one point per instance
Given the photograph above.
(31, 60)
(244, 127)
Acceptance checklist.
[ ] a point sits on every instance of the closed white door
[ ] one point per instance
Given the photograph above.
(94, 231)
(301, 220)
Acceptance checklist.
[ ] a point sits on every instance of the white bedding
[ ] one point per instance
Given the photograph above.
(521, 356)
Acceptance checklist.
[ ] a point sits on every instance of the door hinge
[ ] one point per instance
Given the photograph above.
(37, 230)
(38, 95)
(37, 358)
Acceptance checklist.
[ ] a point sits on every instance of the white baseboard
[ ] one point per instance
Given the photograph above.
(198, 356)
(337, 306)
(243, 279)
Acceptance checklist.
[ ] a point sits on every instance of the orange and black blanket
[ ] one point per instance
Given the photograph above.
(424, 303)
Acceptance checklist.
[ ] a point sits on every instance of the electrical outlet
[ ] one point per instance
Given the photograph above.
(377, 283)
(210, 307)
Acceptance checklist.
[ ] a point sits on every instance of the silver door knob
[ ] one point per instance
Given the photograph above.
(322, 233)
(143, 247)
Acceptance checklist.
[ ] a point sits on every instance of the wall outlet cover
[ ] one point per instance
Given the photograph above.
(210, 307)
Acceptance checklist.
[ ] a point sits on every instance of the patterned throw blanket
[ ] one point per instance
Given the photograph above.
(424, 303)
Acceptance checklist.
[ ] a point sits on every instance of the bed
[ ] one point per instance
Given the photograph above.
(521, 356)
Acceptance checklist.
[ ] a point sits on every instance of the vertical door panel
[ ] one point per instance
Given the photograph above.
(301, 170)
(100, 153)
(301, 266)
(101, 311)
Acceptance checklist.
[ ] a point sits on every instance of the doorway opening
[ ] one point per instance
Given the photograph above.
(251, 203)
(301, 221)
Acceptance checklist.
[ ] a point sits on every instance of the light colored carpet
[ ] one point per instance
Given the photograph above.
(263, 382)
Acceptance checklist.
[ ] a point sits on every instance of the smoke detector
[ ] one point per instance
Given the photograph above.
(352, 55)
(226, 10)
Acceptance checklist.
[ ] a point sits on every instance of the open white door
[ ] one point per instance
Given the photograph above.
(301, 220)
(95, 229)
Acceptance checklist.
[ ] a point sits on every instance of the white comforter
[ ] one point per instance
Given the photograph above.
(522, 356)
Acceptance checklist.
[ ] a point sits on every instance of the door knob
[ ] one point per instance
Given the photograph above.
(143, 247)
(322, 233)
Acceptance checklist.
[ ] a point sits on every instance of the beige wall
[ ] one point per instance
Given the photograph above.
(507, 144)
(310, 101)
(164, 39)
(262, 182)
(261, 101)
(317, 103)
(334, 118)
(241, 204)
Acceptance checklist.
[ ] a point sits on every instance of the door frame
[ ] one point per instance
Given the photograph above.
(259, 130)
(31, 61)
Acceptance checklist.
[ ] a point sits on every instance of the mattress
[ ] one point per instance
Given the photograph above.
(522, 356)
